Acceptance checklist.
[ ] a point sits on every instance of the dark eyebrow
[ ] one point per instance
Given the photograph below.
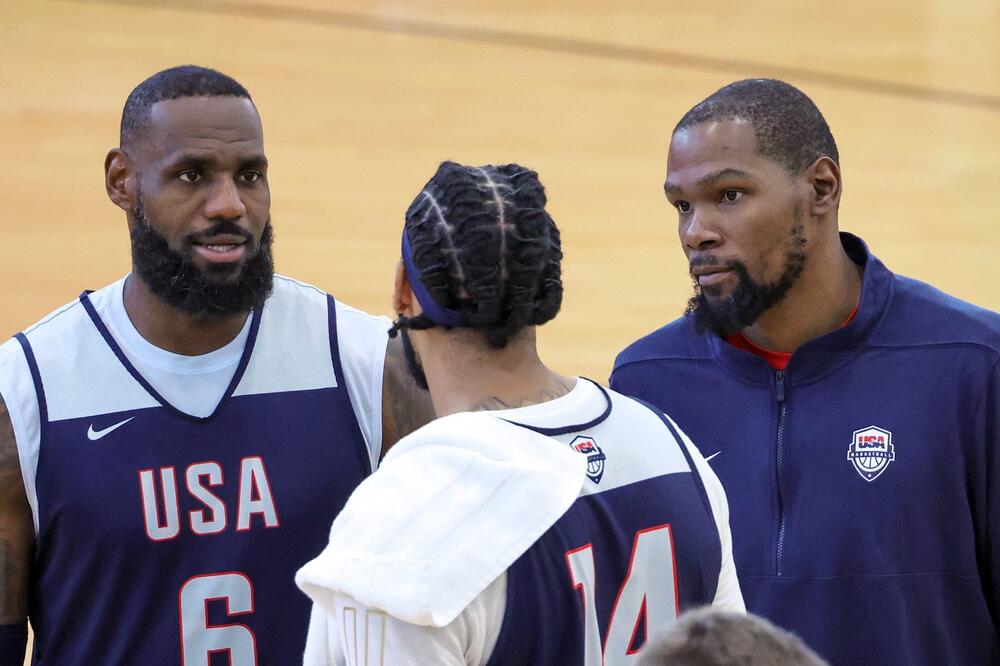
(187, 160)
(708, 178)
(721, 174)
(198, 161)
(254, 162)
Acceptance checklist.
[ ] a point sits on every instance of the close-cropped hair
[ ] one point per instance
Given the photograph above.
(174, 83)
(787, 124)
(709, 637)
(486, 249)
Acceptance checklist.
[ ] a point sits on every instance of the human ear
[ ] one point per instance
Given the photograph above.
(119, 179)
(824, 180)
(402, 296)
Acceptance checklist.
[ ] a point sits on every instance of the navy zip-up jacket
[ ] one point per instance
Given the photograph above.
(864, 480)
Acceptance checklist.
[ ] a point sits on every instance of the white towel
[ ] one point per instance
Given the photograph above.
(450, 508)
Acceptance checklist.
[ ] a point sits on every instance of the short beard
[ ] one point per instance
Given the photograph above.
(176, 280)
(749, 299)
(412, 362)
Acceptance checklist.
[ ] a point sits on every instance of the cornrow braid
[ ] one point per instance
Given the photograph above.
(486, 248)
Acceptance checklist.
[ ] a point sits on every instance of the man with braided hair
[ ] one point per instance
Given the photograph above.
(543, 519)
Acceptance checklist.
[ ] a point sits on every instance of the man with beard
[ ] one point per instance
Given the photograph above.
(174, 446)
(851, 414)
(543, 519)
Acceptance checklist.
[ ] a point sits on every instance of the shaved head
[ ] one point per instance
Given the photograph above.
(169, 84)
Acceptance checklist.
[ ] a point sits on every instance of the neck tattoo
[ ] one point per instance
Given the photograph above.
(493, 402)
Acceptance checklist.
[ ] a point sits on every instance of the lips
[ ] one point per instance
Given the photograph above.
(221, 248)
(708, 270)
(707, 276)
(709, 279)
(702, 271)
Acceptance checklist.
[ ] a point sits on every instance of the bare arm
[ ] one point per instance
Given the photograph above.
(17, 533)
(405, 406)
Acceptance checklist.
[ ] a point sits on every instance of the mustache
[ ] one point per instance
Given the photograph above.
(714, 262)
(225, 227)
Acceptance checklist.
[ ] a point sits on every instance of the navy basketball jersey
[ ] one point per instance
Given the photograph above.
(164, 538)
(639, 545)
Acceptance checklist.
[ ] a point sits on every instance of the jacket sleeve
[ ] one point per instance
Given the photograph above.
(618, 380)
(988, 531)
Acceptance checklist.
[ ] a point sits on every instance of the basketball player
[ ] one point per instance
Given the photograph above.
(852, 414)
(174, 446)
(544, 519)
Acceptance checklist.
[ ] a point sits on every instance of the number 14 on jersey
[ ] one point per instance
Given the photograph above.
(648, 597)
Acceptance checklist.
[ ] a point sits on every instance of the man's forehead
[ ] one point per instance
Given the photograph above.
(718, 146)
(204, 122)
(715, 137)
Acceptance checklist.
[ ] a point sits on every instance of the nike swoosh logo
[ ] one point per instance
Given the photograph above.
(707, 458)
(94, 435)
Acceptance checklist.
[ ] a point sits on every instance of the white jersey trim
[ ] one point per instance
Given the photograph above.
(728, 595)
(66, 369)
(18, 392)
(366, 337)
(586, 402)
(193, 384)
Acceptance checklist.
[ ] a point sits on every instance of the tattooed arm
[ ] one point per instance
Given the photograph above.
(16, 530)
(405, 406)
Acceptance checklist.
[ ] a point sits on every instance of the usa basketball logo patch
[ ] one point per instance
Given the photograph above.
(595, 457)
(871, 452)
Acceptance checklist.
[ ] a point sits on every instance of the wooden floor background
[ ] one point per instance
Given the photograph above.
(361, 100)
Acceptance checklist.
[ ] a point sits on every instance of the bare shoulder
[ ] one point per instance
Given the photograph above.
(405, 406)
(16, 528)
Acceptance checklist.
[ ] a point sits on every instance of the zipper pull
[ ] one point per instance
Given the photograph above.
(779, 385)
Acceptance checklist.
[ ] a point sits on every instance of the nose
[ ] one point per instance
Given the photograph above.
(699, 232)
(224, 201)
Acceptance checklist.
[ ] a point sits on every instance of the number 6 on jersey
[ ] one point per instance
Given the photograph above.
(648, 597)
(199, 640)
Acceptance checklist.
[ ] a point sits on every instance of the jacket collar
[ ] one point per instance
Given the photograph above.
(825, 353)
